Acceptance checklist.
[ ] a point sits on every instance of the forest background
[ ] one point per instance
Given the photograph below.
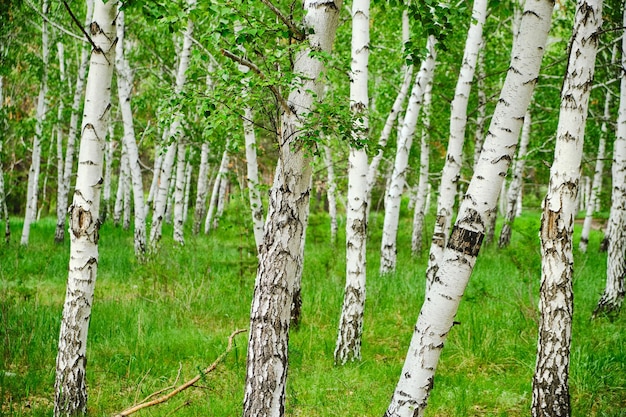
(205, 285)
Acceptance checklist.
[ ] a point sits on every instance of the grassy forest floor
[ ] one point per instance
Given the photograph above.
(156, 324)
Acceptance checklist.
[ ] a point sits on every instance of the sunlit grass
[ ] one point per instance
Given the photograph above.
(155, 324)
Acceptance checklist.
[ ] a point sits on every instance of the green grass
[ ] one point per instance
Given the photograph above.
(155, 324)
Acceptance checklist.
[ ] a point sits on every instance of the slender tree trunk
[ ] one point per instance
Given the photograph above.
(448, 186)
(437, 313)
(122, 185)
(256, 204)
(3, 196)
(35, 165)
(70, 386)
(481, 105)
(162, 193)
(395, 189)
(515, 188)
(592, 206)
(422, 185)
(210, 222)
(188, 173)
(179, 193)
(154, 185)
(109, 152)
(202, 189)
(281, 256)
(348, 345)
(124, 86)
(59, 134)
(611, 301)
(550, 382)
(331, 191)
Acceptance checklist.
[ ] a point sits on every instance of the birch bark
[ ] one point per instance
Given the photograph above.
(611, 301)
(281, 257)
(550, 381)
(437, 313)
(331, 191)
(3, 197)
(395, 189)
(70, 386)
(202, 189)
(515, 188)
(35, 165)
(458, 121)
(348, 344)
(124, 88)
(210, 222)
(179, 193)
(599, 169)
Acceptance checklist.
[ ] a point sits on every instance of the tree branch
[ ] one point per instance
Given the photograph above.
(297, 33)
(257, 70)
(184, 386)
(95, 47)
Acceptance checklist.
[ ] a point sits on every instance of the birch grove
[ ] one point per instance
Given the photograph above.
(436, 316)
(70, 383)
(550, 383)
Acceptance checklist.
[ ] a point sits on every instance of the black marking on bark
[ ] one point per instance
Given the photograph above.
(80, 220)
(506, 158)
(465, 241)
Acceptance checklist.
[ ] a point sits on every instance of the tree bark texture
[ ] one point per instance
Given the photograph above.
(442, 300)
(70, 385)
(550, 382)
(331, 193)
(611, 300)
(281, 256)
(202, 188)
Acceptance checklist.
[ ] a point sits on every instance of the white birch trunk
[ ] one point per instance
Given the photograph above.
(124, 86)
(188, 172)
(437, 314)
(422, 186)
(179, 193)
(611, 301)
(59, 133)
(256, 204)
(70, 385)
(395, 189)
(162, 193)
(210, 222)
(156, 173)
(281, 256)
(122, 184)
(109, 152)
(515, 188)
(3, 196)
(550, 381)
(221, 195)
(450, 174)
(348, 345)
(593, 203)
(481, 97)
(35, 165)
(331, 191)
(202, 189)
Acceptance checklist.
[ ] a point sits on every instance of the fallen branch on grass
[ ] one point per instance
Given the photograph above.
(184, 386)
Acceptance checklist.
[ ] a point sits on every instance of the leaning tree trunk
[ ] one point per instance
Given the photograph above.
(550, 382)
(437, 314)
(124, 86)
(388, 250)
(281, 256)
(348, 345)
(35, 165)
(599, 169)
(613, 296)
(70, 385)
(515, 188)
(458, 121)
(421, 207)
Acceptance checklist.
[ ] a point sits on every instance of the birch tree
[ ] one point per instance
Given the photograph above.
(202, 188)
(397, 183)
(515, 188)
(436, 316)
(281, 256)
(124, 87)
(3, 197)
(458, 121)
(550, 382)
(348, 344)
(331, 189)
(611, 300)
(70, 385)
(35, 164)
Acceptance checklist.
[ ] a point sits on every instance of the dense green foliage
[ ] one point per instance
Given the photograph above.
(156, 324)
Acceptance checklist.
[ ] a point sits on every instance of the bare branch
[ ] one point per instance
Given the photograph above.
(297, 33)
(95, 47)
(257, 70)
(56, 25)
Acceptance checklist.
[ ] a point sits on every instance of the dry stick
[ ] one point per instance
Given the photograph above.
(184, 386)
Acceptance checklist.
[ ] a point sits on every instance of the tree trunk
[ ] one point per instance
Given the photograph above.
(162, 193)
(348, 345)
(593, 204)
(550, 382)
(281, 256)
(179, 193)
(35, 165)
(451, 172)
(515, 188)
(70, 386)
(3, 196)
(611, 301)
(256, 204)
(422, 185)
(123, 181)
(124, 86)
(393, 195)
(440, 306)
(202, 189)
(108, 174)
(331, 191)
(210, 222)
(481, 97)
